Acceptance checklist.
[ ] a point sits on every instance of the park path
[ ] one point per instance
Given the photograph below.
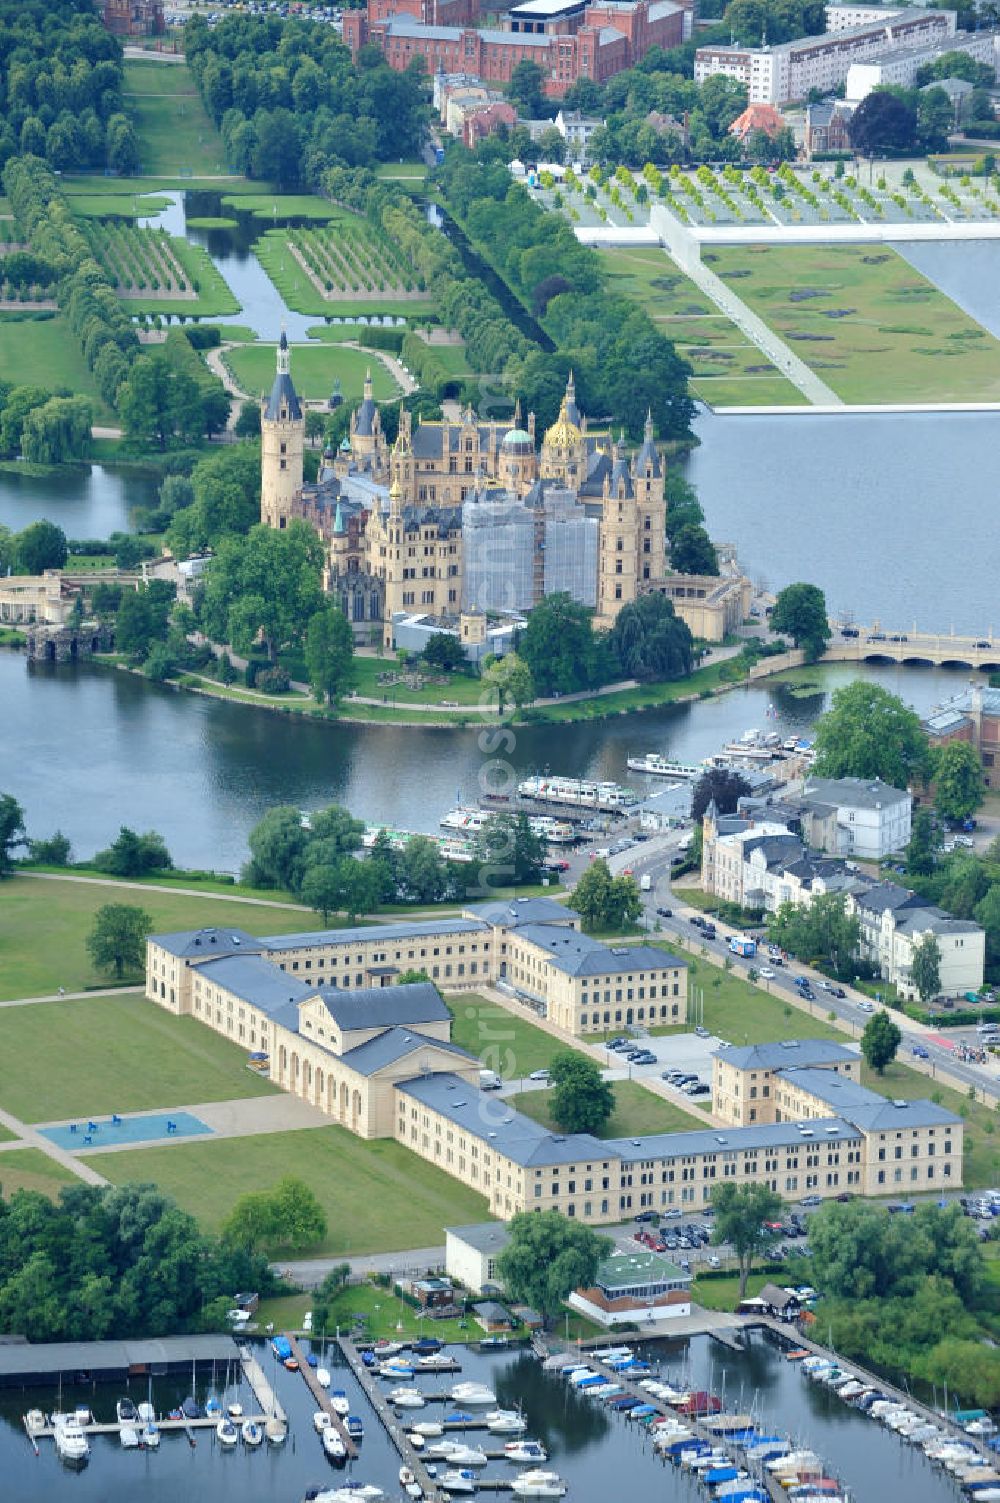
(110, 991)
(186, 892)
(29, 1137)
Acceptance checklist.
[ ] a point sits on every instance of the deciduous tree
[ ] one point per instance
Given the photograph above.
(959, 784)
(741, 1216)
(118, 939)
(800, 612)
(606, 902)
(880, 1040)
(41, 546)
(12, 831)
(650, 640)
(721, 784)
(329, 653)
(581, 1100)
(925, 971)
(547, 1257)
(510, 849)
(870, 733)
(509, 678)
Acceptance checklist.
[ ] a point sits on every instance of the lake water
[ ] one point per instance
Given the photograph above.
(86, 749)
(86, 501)
(600, 1455)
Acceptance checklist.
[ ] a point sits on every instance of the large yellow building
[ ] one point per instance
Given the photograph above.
(403, 524)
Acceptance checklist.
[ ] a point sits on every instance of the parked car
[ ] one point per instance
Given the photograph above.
(702, 1033)
(811, 1200)
(672, 1214)
(647, 1216)
(919, 1052)
(765, 973)
(539, 1075)
(665, 912)
(714, 1260)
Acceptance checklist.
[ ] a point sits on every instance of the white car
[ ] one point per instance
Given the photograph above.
(866, 1006)
(672, 1213)
(765, 973)
(539, 1075)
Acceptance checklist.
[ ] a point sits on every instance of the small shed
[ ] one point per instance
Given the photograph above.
(528, 1317)
(492, 1316)
(783, 1304)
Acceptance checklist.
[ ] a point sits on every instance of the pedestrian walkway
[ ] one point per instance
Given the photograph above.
(30, 1137)
(247, 1117)
(107, 991)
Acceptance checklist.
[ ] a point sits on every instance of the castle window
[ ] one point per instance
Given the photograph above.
(283, 463)
(283, 449)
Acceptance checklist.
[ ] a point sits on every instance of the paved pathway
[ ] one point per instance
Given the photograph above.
(30, 1137)
(247, 1117)
(187, 892)
(108, 991)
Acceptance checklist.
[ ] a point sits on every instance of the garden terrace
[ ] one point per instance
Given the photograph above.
(342, 267)
(156, 272)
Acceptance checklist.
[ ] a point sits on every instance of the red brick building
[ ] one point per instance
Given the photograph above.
(567, 39)
(134, 18)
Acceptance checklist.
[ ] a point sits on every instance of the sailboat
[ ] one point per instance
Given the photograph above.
(275, 1430)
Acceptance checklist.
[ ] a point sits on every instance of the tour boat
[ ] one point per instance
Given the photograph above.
(459, 1481)
(71, 1442)
(578, 793)
(129, 1437)
(505, 1422)
(275, 1431)
(321, 1421)
(226, 1432)
(405, 1398)
(339, 1402)
(251, 1433)
(522, 1451)
(663, 767)
(333, 1445)
(469, 821)
(322, 1377)
(475, 1395)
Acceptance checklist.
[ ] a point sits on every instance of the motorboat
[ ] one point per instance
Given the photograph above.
(146, 1413)
(226, 1432)
(275, 1431)
(539, 1484)
(71, 1441)
(323, 1377)
(149, 1437)
(428, 1427)
(83, 1416)
(505, 1422)
(406, 1398)
(129, 1437)
(251, 1433)
(191, 1409)
(333, 1445)
(982, 1426)
(416, 1441)
(126, 1411)
(234, 1410)
(435, 1362)
(339, 1402)
(355, 1427)
(408, 1483)
(396, 1367)
(457, 1453)
(387, 1348)
(473, 1395)
(321, 1421)
(34, 1420)
(521, 1451)
(455, 1481)
(212, 1407)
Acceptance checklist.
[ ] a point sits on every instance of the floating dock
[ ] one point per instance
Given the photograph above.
(321, 1397)
(260, 1387)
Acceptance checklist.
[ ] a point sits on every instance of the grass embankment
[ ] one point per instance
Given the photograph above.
(874, 329)
(502, 1041)
(268, 206)
(98, 1055)
(116, 205)
(637, 1112)
(378, 1197)
(31, 1169)
(723, 1293)
(315, 369)
(176, 135)
(44, 928)
(727, 369)
(46, 352)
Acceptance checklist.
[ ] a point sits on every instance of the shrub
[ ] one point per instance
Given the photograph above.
(273, 681)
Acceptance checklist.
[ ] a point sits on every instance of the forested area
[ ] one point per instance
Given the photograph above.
(290, 103)
(61, 88)
(112, 1262)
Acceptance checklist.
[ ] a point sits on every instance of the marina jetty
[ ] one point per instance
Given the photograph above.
(25, 1364)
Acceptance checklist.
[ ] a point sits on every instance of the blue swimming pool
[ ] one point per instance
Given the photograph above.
(109, 1132)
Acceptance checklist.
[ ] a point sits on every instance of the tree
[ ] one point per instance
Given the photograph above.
(606, 902)
(650, 640)
(12, 831)
(41, 546)
(133, 855)
(581, 1099)
(526, 91)
(159, 400)
(277, 847)
(879, 1041)
(547, 1257)
(287, 1215)
(822, 932)
(925, 972)
(558, 645)
(692, 551)
(55, 851)
(741, 1216)
(444, 651)
(329, 653)
(551, 146)
(883, 122)
(870, 733)
(935, 119)
(924, 844)
(987, 913)
(247, 425)
(508, 847)
(422, 870)
(723, 785)
(345, 885)
(118, 939)
(959, 785)
(509, 678)
(321, 889)
(267, 584)
(800, 612)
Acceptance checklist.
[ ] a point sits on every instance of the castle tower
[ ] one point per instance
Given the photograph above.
(618, 550)
(564, 451)
(391, 526)
(282, 440)
(647, 481)
(368, 447)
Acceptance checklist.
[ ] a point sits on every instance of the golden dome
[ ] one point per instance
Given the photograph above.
(563, 434)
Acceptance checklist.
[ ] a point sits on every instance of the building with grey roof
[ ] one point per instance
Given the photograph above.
(972, 716)
(786, 1054)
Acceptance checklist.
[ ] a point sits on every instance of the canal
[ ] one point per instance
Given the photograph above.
(599, 1454)
(86, 749)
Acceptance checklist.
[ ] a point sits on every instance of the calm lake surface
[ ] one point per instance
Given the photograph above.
(600, 1455)
(86, 749)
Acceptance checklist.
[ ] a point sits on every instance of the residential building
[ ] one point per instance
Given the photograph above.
(895, 920)
(45, 598)
(576, 130)
(565, 38)
(974, 717)
(899, 66)
(471, 1254)
(758, 117)
(871, 819)
(777, 75)
(635, 1288)
(458, 517)
(844, 17)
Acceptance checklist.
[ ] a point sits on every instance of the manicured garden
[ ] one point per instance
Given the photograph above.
(637, 1112)
(97, 1055)
(315, 368)
(159, 273)
(378, 1197)
(31, 1169)
(874, 329)
(344, 268)
(44, 927)
(176, 136)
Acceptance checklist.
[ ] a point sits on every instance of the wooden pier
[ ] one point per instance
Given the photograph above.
(391, 1423)
(321, 1396)
(260, 1387)
(165, 1426)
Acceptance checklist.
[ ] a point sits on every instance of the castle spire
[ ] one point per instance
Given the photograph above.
(283, 362)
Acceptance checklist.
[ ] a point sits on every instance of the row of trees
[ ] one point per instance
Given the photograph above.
(171, 396)
(290, 103)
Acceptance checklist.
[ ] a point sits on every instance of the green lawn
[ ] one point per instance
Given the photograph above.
(46, 352)
(637, 1112)
(103, 1054)
(264, 205)
(724, 1293)
(727, 369)
(743, 1013)
(44, 926)
(386, 1316)
(116, 205)
(302, 294)
(31, 1169)
(981, 1165)
(378, 1196)
(176, 136)
(869, 325)
(504, 1042)
(314, 368)
(457, 688)
(6, 1136)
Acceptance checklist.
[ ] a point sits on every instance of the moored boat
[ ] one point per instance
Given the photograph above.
(663, 767)
(226, 1433)
(71, 1442)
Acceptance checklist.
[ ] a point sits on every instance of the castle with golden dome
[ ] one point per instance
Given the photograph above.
(459, 520)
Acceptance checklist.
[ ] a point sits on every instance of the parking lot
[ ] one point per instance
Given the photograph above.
(680, 1051)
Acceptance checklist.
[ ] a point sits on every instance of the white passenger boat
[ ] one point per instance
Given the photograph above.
(71, 1441)
(473, 1395)
(539, 1484)
(664, 767)
(579, 793)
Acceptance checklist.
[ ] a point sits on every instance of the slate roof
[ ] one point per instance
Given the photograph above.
(392, 1045)
(383, 1006)
(283, 393)
(361, 933)
(579, 955)
(854, 793)
(787, 1054)
(512, 913)
(199, 944)
(258, 980)
(499, 1126)
(484, 1236)
(888, 895)
(765, 1135)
